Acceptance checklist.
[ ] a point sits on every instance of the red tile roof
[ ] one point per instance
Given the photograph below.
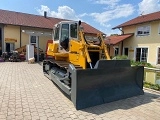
(141, 19)
(112, 40)
(23, 19)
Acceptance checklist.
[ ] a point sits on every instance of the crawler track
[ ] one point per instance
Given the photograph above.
(63, 64)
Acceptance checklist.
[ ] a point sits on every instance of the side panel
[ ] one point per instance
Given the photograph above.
(76, 55)
(52, 48)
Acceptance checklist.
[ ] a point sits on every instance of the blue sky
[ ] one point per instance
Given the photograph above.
(101, 14)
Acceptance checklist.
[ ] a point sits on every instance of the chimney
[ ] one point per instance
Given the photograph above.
(45, 14)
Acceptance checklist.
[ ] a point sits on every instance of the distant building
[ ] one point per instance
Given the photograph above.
(140, 39)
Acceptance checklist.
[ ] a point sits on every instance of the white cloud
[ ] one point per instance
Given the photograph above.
(108, 32)
(108, 2)
(118, 12)
(149, 6)
(64, 12)
(108, 25)
(102, 18)
(83, 15)
(43, 8)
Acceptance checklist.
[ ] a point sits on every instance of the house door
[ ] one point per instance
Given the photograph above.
(158, 56)
(9, 47)
(126, 51)
(0, 41)
(116, 51)
(141, 54)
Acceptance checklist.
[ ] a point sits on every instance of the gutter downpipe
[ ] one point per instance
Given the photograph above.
(20, 36)
(3, 40)
(122, 41)
(37, 48)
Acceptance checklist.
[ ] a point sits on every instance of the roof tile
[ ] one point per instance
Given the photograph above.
(117, 38)
(141, 19)
(23, 19)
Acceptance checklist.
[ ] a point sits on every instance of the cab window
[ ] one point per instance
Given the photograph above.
(73, 30)
(65, 32)
(56, 33)
(64, 41)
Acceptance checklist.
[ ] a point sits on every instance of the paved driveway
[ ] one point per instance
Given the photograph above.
(26, 94)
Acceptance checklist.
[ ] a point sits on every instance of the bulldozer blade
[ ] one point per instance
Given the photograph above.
(93, 87)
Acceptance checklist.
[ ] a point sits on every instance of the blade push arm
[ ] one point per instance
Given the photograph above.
(104, 47)
(84, 49)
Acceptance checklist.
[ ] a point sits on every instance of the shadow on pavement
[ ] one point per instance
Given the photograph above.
(122, 104)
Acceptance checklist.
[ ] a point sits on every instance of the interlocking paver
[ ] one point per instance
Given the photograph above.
(81, 117)
(34, 114)
(27, 118)
(19, 117)
(2, 116)
(65, 115)
(26, 114)
(49, 114)
(25, 93)
(43, 118)
(35, 118)
(53, 118)
(42, 114)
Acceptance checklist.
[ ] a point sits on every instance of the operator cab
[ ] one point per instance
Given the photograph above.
(65, 31)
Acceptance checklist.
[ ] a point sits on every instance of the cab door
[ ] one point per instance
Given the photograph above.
(64, 37)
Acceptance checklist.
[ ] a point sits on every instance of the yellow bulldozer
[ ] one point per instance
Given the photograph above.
(77, 68)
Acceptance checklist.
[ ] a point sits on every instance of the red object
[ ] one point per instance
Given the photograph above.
(22, 57)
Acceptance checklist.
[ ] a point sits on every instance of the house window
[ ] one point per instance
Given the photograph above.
(143, 31)
(33, 40)
(126, 51)
(116, 51)
(141, 54)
